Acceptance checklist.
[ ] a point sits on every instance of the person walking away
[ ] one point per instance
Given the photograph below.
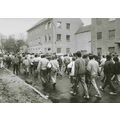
(117, 69)
(93, 68)
(66, 62)
(102, 62)
(109, 72)
(87, 74)
(31, 65)
(26, 65)
(80, 74)
(35, 65)
(72, 73)
(42, 67)
(8, 61)
(54, 69)
(1, 61)
(15, 63)
(60, 63)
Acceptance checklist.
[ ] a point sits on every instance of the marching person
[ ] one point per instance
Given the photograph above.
(15, 62)
(54, 70)
(42, 67)
(93, 68)
(109, 72)
(72, 73)
(80, 74)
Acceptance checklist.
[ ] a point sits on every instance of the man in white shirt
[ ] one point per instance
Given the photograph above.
(93, 68)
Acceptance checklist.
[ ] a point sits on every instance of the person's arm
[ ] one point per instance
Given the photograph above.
(88, 67)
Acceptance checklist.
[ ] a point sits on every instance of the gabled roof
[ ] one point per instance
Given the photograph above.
(83, 29)
(39, 23)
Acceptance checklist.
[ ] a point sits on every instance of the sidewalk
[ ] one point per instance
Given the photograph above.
(14, 90)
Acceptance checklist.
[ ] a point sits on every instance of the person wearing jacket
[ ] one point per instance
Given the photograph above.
(80, 74)
(109, 72)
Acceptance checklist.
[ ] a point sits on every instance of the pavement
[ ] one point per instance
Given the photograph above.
(63, 88)
(62, 92)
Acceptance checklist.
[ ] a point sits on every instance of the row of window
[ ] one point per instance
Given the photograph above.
(111, 35)
(58, 25)
(59, 50)
(99, 20)
(59, 37)
(110, 50)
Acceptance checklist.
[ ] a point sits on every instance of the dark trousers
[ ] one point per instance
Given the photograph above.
(15, 69)
(109, 82)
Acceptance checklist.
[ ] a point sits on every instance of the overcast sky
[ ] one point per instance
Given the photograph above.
(15, 26)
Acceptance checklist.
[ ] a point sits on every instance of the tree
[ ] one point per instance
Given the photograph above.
(12, 45)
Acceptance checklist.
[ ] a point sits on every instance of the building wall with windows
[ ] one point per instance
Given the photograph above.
(105, 36)
(58, 34)
(83, 39)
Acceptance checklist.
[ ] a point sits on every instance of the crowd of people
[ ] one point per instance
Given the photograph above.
(84, 69)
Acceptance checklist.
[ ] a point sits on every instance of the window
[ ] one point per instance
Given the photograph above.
(67, 50)
(67, 25)
(99, 35)
(112, 19)
(45, 38)
(49, 24)
(68, 37)
(46, 26)
(111, 49)
(99, 51)
(58, 50)
(111, 34)
(49, 38)
(98, 21)
(58, 37)
(59, 24)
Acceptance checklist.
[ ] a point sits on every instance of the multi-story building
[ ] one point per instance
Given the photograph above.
(105, 36)
(55, 34)
(83, 39)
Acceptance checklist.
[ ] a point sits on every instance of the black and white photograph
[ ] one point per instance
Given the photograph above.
(60, 60)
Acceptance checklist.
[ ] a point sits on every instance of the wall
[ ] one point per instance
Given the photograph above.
(83, 42)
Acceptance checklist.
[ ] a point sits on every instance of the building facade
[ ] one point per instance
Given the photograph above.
(105, 36)
(83, 39)
(53, 34)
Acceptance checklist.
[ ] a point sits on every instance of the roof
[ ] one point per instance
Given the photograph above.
(39, 23)
(83, 29)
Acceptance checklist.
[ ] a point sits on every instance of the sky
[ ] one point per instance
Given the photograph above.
(18, 26)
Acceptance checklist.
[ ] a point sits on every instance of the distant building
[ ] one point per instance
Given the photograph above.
(105, 36)
(83, 39)
(56, 35)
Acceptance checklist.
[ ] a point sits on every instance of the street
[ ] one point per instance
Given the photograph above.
(62, 92)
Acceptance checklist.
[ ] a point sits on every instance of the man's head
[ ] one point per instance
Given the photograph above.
(78, 54)
(91, 57)
(116, 59)
(108, 57)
